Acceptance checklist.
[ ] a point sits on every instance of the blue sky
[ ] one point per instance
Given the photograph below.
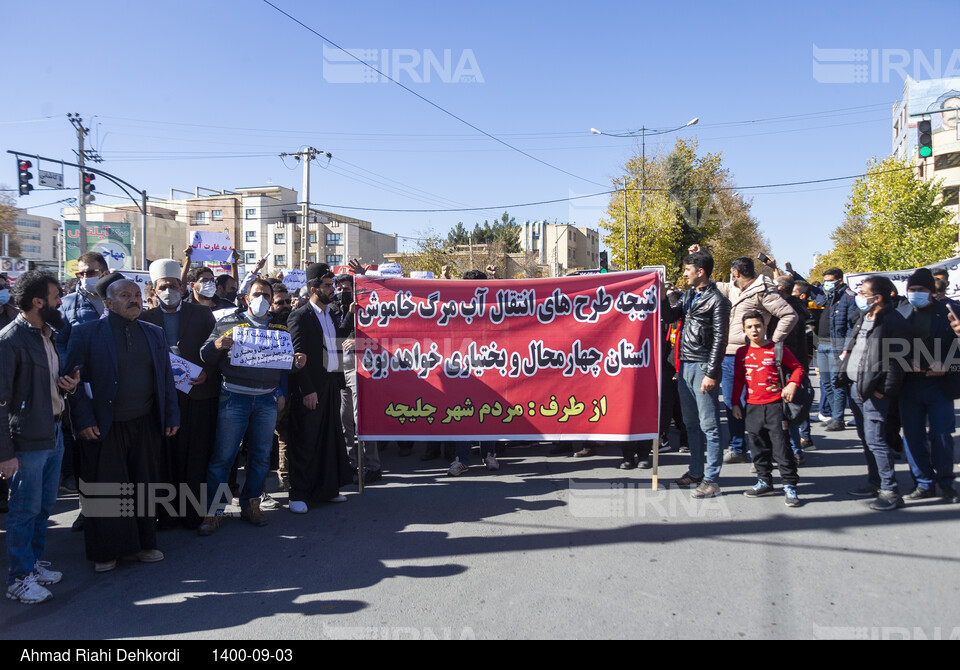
(175, 92)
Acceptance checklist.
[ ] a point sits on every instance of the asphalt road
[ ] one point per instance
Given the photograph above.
(549, 547)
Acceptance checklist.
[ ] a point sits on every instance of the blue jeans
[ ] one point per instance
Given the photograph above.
(253, 416)
(737, 432)
(797, 434)
(33, 493)
(832, 396)
(871, 418)
(701, 415)
(922, 403)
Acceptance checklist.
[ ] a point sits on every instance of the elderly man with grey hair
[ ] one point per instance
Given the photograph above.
(128, 404)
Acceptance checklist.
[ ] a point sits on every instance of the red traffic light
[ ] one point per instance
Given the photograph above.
(24, 165)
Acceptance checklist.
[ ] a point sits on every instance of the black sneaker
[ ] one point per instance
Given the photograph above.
(801, 459)
(627, 465)
(887, 501)
(950, 495)
(920, 493)
(834, 426)
(864, 492)
(760, 489)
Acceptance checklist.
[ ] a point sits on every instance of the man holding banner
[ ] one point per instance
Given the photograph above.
(317, 452)
(253, 351)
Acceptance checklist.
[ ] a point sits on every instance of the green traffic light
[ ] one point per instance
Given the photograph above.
(603, 271)
(926, 152)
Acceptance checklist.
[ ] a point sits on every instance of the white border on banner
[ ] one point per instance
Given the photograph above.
(549, 437)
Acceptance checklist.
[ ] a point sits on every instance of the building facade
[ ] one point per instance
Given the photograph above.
(937, 100)
(38, 238)
(561, 246)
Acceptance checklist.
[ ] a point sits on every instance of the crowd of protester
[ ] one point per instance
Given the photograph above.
(88, 395)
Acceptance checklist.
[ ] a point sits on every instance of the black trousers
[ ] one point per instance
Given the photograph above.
(764, 424)
(118, 521)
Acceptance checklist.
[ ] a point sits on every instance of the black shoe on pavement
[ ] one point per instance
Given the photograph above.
(950, 495)
(78, 524)
(920, 493)
(371, 476)
(864, 492)
(627, 465)
(887, 501)
(834, 426)
(759, 490)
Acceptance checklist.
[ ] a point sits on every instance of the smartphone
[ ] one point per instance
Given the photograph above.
(762, 257)
(953, 311)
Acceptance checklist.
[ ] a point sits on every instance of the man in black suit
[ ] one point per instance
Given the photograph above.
(128, 404)
(317, 452)
(185, 455)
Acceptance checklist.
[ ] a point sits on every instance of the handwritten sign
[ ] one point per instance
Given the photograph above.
(262, 348)
(900, 277)
(574, 358)
(294, 278)
(183, 372)
(210, 246)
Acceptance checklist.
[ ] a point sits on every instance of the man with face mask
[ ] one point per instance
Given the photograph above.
(31, 442)
(186, 327)
(130, 407)
(82, 305)
(204, 290)
(929, 389)
(839, 313)
(318, 456)
(249, 400)
(227, 289)
(8, 312)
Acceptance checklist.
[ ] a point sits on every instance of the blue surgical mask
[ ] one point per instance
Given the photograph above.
(829, 286)
(4, 296)
(863, 303)
(918, 299)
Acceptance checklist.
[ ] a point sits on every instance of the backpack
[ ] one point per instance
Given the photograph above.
(797, 411)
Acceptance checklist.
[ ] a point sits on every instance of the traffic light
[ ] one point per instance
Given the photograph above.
(23, 168)
(88, 187)
(925, 138)
(603, 262)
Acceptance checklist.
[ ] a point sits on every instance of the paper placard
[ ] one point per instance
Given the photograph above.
(183, 372)
(210, 246)
(421, 274)
(261, 348)
(294, 278)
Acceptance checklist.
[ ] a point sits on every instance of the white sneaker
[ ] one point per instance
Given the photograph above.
(268, 502)
(823, 419)
(457, 468)
(27, 590)
(491, 462)
(298, 507)
(45, 576)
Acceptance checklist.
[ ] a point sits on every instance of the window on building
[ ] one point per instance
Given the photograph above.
(950, 195)
(250, 214)
(26, 223)
(312, 258)
(199, 218)
(334, 259)
(946, 161)
(279, 238)
(30, 248)
(250, 258)
(217, 215)
(251, 236)
(279, 260)
(333, 239)
(313, 238)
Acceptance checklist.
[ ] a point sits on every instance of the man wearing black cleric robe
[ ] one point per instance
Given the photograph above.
(317, 453)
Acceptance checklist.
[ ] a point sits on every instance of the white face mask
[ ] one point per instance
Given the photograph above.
(259, 306)
(169, 297)
(208, 289)
(90, 285)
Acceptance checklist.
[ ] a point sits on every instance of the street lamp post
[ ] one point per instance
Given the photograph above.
(642, 133)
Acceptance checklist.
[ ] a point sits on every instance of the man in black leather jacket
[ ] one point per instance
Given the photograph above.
(705, 315)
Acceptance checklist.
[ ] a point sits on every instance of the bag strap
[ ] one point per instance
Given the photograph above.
(778, 359)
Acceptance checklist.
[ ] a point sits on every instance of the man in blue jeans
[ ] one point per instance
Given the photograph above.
(249, 400)
(705, 315)
(31, 442)
(839, 312)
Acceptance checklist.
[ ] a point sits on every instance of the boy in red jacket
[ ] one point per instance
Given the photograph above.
(755, 367)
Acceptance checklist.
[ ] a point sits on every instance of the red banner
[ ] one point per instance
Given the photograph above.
(571, 358)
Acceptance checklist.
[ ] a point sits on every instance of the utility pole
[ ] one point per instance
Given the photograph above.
(82, 156)
(304, 156)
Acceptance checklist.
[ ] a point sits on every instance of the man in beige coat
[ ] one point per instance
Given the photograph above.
(746, 293)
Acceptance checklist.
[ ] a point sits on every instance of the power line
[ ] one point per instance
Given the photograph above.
(430, 102)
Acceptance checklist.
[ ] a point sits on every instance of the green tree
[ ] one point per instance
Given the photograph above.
(894, 221)
(8, 213)
(686, 198)
(504, 230)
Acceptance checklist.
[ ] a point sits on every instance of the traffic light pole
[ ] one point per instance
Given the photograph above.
(82, 198)
(141, 203)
